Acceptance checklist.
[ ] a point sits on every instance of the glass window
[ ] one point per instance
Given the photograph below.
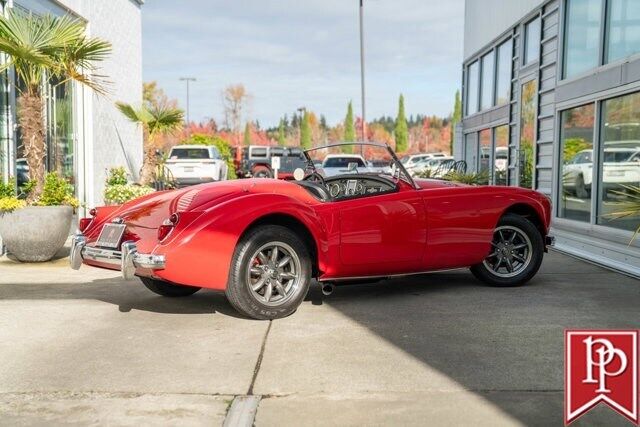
(61, 152)
(527, 133)
(485, 151)
(503, 77)
(189, 153)
(472, 88)
(620, 162)
(501, 155)
(582, 36)
(488, 62)
(576, 139)
(624, 29)
(532, 41)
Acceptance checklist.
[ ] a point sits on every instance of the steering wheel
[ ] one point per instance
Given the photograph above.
(315, 177)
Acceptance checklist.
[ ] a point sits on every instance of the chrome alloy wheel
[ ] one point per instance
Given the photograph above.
(511, 252)
(273, 276)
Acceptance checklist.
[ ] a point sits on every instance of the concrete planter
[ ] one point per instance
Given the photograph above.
(36, 233)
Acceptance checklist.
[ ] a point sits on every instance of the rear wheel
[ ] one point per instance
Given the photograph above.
(270, 273)
(262, 172)
(167, 289)
(516, 253)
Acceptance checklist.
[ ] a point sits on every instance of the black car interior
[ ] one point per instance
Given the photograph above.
(350, 186)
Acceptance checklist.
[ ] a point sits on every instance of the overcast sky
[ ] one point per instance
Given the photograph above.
(293, 53)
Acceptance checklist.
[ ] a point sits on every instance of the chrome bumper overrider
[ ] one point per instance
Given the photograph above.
(126, 260)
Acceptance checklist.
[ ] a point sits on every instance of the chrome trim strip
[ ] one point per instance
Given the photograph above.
(387, 276)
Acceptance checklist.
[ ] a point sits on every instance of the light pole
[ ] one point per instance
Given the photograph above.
(362, 87)
(188, 80)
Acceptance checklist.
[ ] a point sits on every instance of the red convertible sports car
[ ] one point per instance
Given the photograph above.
(262, 241)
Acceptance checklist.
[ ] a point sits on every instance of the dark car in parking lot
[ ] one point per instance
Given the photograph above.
(256, 161)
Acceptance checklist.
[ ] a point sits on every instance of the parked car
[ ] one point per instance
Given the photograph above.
(255, 161)
(22, 172)
(411, 160)
(437, 166)
(196, 164)
(262, 241)
(621, 165)
(336, 164)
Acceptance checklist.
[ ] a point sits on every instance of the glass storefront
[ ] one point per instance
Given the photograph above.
(484, 137)
(60, 140)
(623, 38)
(472, 88)
(486, 91)
(582, 36)
(576, 180)
(503, 75)
(528, 107)
(501, 155)
(532, 41)
(619, 161)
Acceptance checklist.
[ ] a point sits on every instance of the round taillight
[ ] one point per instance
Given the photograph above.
(93, 212)
(173, 219)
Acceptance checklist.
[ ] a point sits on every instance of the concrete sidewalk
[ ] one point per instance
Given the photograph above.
(84, 347)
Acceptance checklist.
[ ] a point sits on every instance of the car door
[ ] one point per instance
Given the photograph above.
(384, 233)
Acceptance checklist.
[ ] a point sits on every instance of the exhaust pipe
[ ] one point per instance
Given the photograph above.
(327, 289)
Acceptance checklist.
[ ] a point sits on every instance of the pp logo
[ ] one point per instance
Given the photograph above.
(601, 366)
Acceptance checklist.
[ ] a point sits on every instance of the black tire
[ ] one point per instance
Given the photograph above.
(262, 172)
(167, 289)
(488, 276)
(249, 302)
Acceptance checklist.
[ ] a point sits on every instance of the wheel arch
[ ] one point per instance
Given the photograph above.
(298, 227)
(529, 212)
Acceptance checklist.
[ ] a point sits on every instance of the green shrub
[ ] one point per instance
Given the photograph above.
(473, 178)
(117, 176)
(119, 194)
(223, 146)
(9, 204)
(56, 192)
(7, 190)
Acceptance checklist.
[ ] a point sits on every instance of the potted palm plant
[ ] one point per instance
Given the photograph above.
(41, 49)
(156, 120)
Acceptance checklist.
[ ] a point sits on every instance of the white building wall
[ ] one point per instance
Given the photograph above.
(103, 127)
(485, 20)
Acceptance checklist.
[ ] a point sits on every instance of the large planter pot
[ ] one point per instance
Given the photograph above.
(35, 233)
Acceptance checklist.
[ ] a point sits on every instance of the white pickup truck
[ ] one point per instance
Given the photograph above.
(196, 164)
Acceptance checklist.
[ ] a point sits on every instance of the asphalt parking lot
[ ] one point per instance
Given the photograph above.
(84, 347)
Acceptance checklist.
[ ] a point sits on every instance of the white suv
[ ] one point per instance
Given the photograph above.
(196, 164)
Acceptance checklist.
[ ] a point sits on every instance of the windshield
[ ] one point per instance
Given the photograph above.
(369, 157)
(342, 162)
(190, 154)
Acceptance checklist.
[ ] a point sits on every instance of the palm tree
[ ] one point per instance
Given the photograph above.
(155, 120)
(43, 49)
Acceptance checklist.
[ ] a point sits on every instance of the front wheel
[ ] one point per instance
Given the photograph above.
(167, 289)
(516, 253)
(270, 273)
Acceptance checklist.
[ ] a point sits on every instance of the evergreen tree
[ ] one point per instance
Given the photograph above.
(305, 132)
(247, 134)
(281, 135)
(455, 119)
(323, 123)
(401, 130)
(349, 129)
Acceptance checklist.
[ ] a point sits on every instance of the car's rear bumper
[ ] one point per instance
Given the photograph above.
(126, 260)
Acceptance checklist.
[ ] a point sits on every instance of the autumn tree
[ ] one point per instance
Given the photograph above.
(401, 131)
(305, 131)
(455, 119)
(282, 139)
(246, 140)
(234, 100)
